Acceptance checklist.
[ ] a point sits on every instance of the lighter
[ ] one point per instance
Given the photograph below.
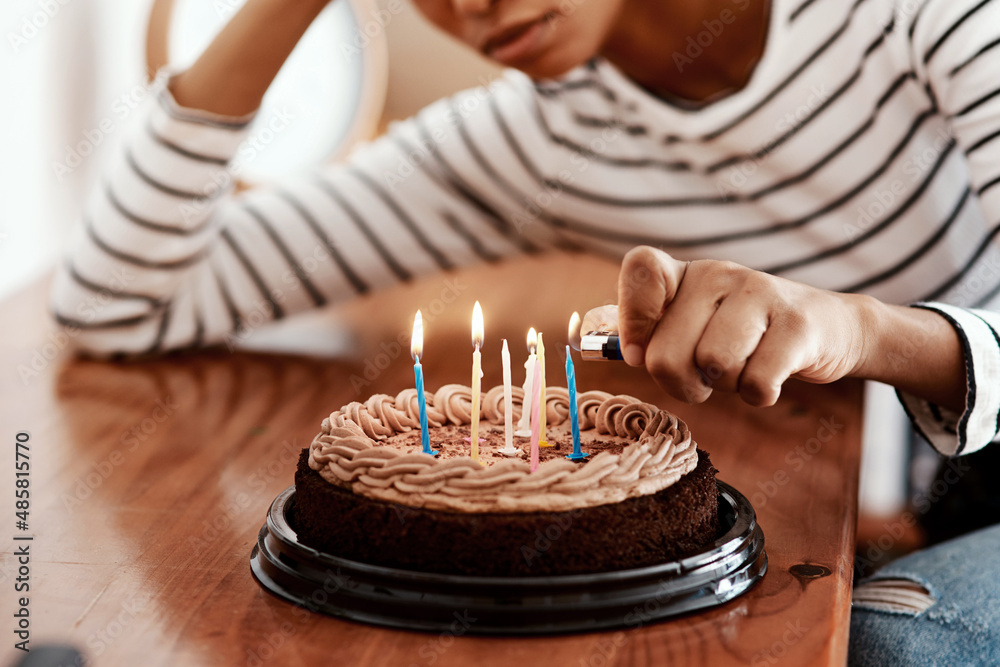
(600, 346)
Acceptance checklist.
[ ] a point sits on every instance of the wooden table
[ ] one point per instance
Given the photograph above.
(150, 481)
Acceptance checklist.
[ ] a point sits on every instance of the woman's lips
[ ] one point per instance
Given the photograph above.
(517, 43)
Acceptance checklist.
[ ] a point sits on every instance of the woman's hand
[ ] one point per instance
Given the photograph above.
(705, 325)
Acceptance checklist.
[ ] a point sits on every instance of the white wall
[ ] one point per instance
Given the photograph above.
(425, 64)
(66, 66)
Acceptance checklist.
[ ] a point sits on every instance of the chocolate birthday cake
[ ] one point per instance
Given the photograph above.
(365, 491)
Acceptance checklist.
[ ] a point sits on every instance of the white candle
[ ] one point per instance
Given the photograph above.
(477, 376)
(508, 405)
(524, 423)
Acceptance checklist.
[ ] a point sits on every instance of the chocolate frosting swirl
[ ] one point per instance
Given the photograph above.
(587, 405)
(493, 404)
(407, 402)
(369, 424)
(383, 408)
(631, 420)
(605, 419)
(455, 401)
(557, 405)
(347, 452)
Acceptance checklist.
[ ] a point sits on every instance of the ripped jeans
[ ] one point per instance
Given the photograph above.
(936, 607)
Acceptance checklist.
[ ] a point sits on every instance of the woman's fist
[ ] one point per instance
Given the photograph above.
(705, 325)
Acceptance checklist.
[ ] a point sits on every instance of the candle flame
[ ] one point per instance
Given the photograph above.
(532, 340)
(573, 336)
(417, 340)
(477, 325)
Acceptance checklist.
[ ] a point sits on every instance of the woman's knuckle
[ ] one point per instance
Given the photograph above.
(714, 363)
(660, 367)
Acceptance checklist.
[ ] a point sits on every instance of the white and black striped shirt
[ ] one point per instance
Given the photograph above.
(863, 155)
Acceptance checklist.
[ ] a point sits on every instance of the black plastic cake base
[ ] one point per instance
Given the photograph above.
(409, 600)
(672, 524)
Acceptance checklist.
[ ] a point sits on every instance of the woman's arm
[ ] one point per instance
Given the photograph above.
(233, 73)
(706, 325)
(953, 46)
(165, 257)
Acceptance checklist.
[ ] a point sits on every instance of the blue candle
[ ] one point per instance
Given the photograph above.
(574, 418)
(416, 348)
(425, 438)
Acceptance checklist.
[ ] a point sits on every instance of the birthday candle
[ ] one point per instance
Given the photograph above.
(574, 418)
(477, 374)
(524, 423)
(508, 404)
(542, 442)
(416, 349)
(537, 383)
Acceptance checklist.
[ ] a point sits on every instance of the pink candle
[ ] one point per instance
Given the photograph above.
(535, 416)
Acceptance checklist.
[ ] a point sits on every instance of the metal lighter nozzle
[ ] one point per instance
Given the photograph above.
(600, 346)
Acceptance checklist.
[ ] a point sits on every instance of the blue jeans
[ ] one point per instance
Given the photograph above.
(961, 625)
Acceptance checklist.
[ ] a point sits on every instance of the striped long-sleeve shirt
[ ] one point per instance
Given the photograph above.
(862, 156)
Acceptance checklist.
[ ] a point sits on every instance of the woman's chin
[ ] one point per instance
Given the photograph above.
(552, 66)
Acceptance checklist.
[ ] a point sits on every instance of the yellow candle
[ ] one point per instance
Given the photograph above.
(477, 374)
(542, 442)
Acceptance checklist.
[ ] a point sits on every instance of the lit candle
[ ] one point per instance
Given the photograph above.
(508, 405)
(574, 418)
(537, 384)
(524, 423)
(540, 377)
(416, 349)
(477, 374)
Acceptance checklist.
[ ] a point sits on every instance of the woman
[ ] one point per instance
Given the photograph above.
(804, 167)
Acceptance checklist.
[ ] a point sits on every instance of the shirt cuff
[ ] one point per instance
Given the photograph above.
(978, 424)
(202, 134)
